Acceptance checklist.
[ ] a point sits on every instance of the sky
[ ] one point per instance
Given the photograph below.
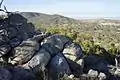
(70, 8)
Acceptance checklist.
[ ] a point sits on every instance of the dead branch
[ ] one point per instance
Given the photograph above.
(1, 3)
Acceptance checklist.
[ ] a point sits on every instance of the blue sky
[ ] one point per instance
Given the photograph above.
(70, 8)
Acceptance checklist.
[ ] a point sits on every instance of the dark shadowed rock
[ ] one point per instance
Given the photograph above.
(58, 66)
(5, 74)
(30, 29)
(12, 32)
(18, 22)
(38, 61)
(21, 33)
(24, 29)
(16, 19)
(97, 63)
(21, 74)
(76, 68)
(24, 52)
(14, 42)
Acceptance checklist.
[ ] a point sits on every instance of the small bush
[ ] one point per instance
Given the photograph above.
(113, 49)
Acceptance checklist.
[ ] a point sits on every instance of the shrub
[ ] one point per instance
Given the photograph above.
(113, 49)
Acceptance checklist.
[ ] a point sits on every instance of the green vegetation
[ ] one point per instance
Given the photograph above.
(113, 49)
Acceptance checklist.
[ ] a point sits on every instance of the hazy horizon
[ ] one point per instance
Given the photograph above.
(77, 9)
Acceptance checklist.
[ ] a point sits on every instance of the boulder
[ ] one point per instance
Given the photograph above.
(5, 74)
(24, 52)
(58, 66)
(38, 61)
(57, 40)
(102, 76)
(73, 51)
(97, 63)
(19, 23)
(92, 73)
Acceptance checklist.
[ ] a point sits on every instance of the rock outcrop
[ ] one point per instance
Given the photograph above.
(29, 52)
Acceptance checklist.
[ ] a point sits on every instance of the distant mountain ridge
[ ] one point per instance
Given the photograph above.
(35, 14)
(48, 20)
